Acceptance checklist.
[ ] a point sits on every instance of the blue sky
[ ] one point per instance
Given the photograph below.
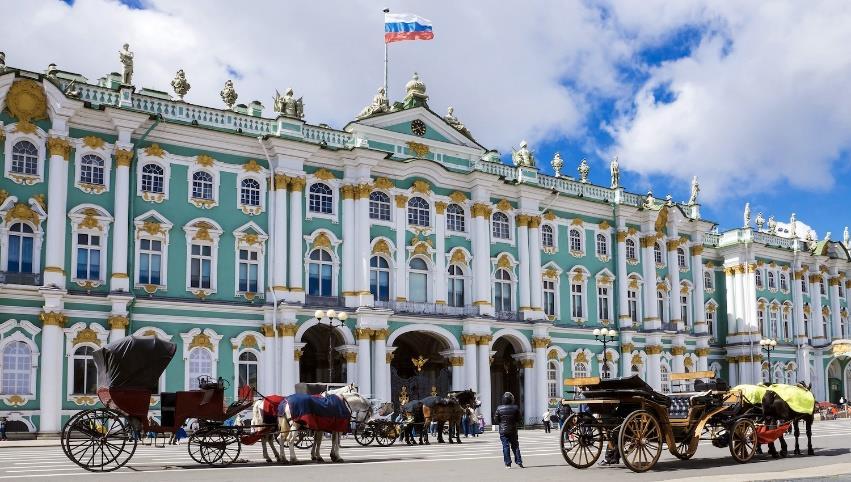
(752, 97)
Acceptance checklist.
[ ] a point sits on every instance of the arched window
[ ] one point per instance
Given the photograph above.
(547, 239)
(24, 158)
(660, 301)
(784, 282)
(17, 369)
(247, 369)
(550, 297)
(580, 370)
(91, 170)
(608, 370)
(153, 178)
(85, 372)
(774, 321)
(320, 199)
(552, 380)
(787, 322)
(632, 304)
(456, 286)
(455, 218)
(21, 239)
(418, 212)
(807, 321)
(657, 254)
(379, 206)
(665, 378)
(772, 281)
(249, 192)
(502, 290)
(684, 308)
(602, 245)
(88, 256)
(708, 283)
(202, 185)
(575, 240)
(681, 258)
(379, 278)
(418, 280)
(760, 319)
(758, 278)
(201, 266)
(577, 299)
(635, 370)
(710, 320)
(249, 269)
(630, 250)
(200, 365)
(319, 273)
(603, 301)
(500, 225)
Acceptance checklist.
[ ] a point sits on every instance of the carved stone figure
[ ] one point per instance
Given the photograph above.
(523, 157)
(453, 121)
(614, 167)
(845, 237)
(2, 61)
(747, 215)
(51, 71)
(557, 163)
(229, 95)
(649, 200)
(793, 223)
(180, 85)
(772, 225)
(695, 189)
(379, 105)
(760, 221)
(584, 169)
(126, 57)
(288, 105)
(827, 236)
(810, 236)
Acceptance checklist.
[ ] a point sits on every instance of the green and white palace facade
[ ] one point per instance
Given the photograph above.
(126, 211)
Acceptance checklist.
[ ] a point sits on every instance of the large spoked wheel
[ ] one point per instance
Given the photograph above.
(685, 449)
(743, 440)
(98, 440)
(304, 439)
(386, 434)
(640, 441)
(582, 439)
(364, 434)
(216, 447)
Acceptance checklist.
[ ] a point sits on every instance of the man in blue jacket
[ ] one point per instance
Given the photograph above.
(507, 416)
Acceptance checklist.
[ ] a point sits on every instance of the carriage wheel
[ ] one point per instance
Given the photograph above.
(386, 434)
(216, 446)
(685, 450)
(98, 440)
(304, 438)
(640, 441)
(743, 440)
(364, 434)
(582, 438)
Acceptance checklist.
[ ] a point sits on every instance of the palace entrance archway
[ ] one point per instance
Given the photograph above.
(417, 369)
(313, 366)
(506, 374)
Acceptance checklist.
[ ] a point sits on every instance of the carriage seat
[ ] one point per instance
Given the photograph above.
(682, 402)
(167, 403)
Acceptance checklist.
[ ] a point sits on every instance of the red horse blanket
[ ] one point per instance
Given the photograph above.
(329, 414)
(270, 408)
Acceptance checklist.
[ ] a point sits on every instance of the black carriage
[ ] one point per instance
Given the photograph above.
(105, 439)
(628, 415)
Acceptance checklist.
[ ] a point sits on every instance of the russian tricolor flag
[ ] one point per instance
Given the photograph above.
(406, 26)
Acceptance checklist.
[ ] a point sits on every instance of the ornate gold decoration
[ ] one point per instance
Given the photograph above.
(403, 395)
(154, 150)
(383, 183)
(267, 330)
(661, 286)
(380, 334)
(118, 322)
(627, 348)
(661, 220)
(347, 191)
(52, 318)
(576, 222)
(503, 205)
(419, 362)
(678, 350)
(580, 358)
(440, 207)
(86, 335)
(287, 329)
(351, 356)
(388, 357)
(540, 342)
(604, 280)
(363, 333)
(653, 350)
(297, 184)
(503, 262)
(467, 339)
(485, 339)
(201, 340)
(578, 276)
(252, 166)
(552, 355)
(26, 100)
(456, 361)
(401, 200)
(204, 160)
(458, 256)
(458, 196)
(280, 181)
(672, 244)
(636, 360)
(688, 362)
(419, 150)
(550, 273)
(322, 241)
(522, 220)
(549, 216)
(153, 228)
(89, 221)
(527, 363)
(381, 247)
(421, 187)
(363, 190)
(702, 351)
(3, 195)
(25, 127)
(481, 210)
(297, 354)
(825, 311)
(15, 400)
(150, 289)
(421, 247)
(23, 212)
(93, 142)
(57, 146)
(81, 400)
(604, 225)
(621, 236)
(324, 174)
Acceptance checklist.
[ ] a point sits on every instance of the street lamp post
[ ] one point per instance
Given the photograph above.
(768, 345)
(605, 336)
(335, 320)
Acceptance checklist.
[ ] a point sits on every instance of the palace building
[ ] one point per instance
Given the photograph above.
(125, 210)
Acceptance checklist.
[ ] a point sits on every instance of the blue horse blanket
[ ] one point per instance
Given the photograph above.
(328, 414)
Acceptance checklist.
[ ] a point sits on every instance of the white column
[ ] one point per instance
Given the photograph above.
(537, 289)
(481, 261)
(351, 357)
(626, 353)
(524, 270)
(835, 320)
(674, 278)
(678, 359)
(349, 244)
(751, 323)
(57, 198)
(802, 358)
(381, 384)
(729, 292)
(654, 354)
(702, 353)
(120, 281)
(388, 359)
(297, 361)
(484, 366)
(364, 239)
(651, 309)
(697, 301)
(401, 249)
(279, 246)
(296, 261)
(540, 393)
(117, 325)
(287, 340)
(363, 336)
(440, 274)
(470, 373)
(457, 363)
(817, 329)
(530, 409)
(733, 370)
(52, 361)
(268, 386)
(798, 276)
(624, 320)
(738, 281)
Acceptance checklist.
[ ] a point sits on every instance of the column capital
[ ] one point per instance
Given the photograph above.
(363, 190)
(348, 191)
(281, 181)
(702, 351)
(481, 210)
(527, 363)
(439, 207)
(267, 330)
(484, 340)
(297, 183)
(123, 157)
(696, 250)
(388, 357)
(469, 339)
(380, 334)
(522, 220)
(627, 348)
(288, 329)
(534, 222)
(540, 342)
(58, 146)
(621, 236)
(363, 333)
(351, 356)
(401, 200)
(678, 350)
(118, 322)
(653, 349)
(297, 354)
(456, 361)
(53, 318)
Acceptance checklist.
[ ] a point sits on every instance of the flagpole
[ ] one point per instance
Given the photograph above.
(386, 92)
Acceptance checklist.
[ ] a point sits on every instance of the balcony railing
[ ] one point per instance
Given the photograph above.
(427, 308)
(669, 327)
(31, 279)
(507, 315)
(327, 301)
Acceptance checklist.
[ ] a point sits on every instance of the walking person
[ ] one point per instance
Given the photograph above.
(546, 418)
(3, 428)
(507, 416)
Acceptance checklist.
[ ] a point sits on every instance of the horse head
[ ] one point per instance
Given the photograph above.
(467, 398)
(381, 409)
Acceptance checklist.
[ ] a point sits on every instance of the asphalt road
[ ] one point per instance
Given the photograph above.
(475, 459)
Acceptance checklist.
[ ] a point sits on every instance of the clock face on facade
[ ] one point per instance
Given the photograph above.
(418, 127)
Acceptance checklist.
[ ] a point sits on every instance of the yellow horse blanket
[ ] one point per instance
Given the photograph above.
(752, 393)
(799, 399)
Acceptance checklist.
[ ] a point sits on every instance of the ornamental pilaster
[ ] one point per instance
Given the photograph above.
(59, 147)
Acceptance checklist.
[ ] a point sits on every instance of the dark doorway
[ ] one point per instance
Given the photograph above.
(506, 374)
(418, 370)
(313, 366)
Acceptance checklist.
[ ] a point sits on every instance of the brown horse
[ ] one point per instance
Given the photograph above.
(776, 409)
(449, 409)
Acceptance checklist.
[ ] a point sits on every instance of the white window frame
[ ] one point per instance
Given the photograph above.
(162, 235)
(663, 298)
(102, 336)
(608, 245)
(508, 225)
(77, 216)
(660, 249)
(165, 164)
(332, 184)
(762, 316)
(385, 222)
(710, 313)
(512, 283)
(771, 280)
(554, 228)
(682, 261)
(553, 380)
(637, 300)
(335, 258)
(581, 251)
(258, 348)
(258, 364)
(20, 331)
(5, 226)
(709, 276)
(786, 321)
(391, 274)
(463, 217)
(636, 248)
(429, 212)
(261, 180)
(104, 153)
(774, 320)
(685, 308)
(250, 237)
(556, 280)
(199, 202)
(188, 338)
(192, 230)
(39, 140)
(609, 286)
(664, 381)
(578, 277)
(429, 273)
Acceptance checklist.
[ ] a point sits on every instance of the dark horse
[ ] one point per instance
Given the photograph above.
(774, 408)
(441, 410)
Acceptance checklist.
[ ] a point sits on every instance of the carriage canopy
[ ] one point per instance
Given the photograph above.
(134, 362)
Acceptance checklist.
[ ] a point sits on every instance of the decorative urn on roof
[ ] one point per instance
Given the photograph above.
(415, 93)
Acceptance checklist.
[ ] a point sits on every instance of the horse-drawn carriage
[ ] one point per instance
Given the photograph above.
(626, 414)
(104, 439)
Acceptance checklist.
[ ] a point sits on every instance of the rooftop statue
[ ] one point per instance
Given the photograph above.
(695, 189)
(584, 169)
(747, 215)
(454, 122)
(51, 71)
(772, 225)
(669, 200)
(415, 93)
(379, 105)
(760, 221)
(2, 61)
(845, 237)
(793, 223)
(614, 168)
(649, 200)
(557, 163)
(288, 105)
(126, 57)
(229, 94)
(523, 157)
(180, 85)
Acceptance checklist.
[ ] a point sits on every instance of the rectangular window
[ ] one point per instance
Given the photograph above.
(550, 297)
(456, 292)
(249, 267)
(418, 287)
(710, 323)
(576, 301)
(88, 257)
(150, 261)
(602, 303)
(379, 284)
(201, 263)
(684, 309)
(632, 305)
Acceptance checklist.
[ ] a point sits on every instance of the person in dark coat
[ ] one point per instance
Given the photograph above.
(507, 416)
